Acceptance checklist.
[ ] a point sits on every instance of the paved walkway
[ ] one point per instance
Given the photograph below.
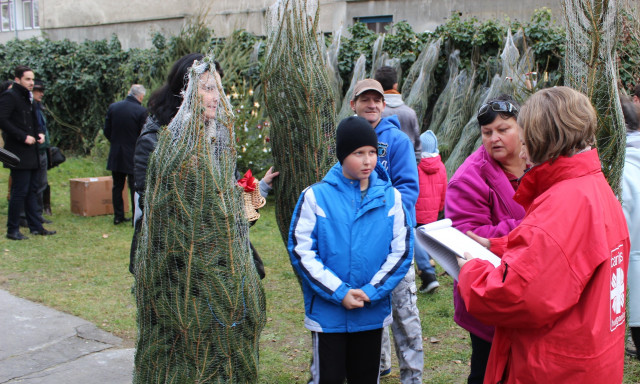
(39, 345)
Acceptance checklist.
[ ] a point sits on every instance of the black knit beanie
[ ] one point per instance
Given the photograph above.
(354, 132)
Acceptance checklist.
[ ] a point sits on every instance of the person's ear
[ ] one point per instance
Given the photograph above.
(395, 86)
(353, 105)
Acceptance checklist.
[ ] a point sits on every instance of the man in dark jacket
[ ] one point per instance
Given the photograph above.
(21, 134)
(122, 127)
(44, 191)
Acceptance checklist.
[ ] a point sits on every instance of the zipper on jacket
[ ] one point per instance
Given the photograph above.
(313, 298)
(506, 268)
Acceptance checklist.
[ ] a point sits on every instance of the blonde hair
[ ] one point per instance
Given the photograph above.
(557, 121)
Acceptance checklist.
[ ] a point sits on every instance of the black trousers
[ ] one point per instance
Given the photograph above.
(480, 349)
(635, 335)
(116, 193)
(351, 356)
(24, 196)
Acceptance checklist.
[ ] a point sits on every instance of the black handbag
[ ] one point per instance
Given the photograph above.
(55, 157)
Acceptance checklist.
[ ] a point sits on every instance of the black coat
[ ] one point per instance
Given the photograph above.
(146, 143)
(17, 120)
(122, 127)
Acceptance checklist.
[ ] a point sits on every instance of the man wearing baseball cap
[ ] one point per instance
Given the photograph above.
(396, 155)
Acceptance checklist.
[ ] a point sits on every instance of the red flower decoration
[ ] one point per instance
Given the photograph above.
(248, 182)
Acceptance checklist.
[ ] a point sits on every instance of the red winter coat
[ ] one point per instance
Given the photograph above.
(433, 185)
(558, 298)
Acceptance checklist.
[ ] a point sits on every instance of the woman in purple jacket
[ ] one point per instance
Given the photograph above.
(479, 198)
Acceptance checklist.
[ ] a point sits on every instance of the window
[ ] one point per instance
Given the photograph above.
(5, 14)
(30, 14)
(27, 14)
(375, 23)
(19, 14)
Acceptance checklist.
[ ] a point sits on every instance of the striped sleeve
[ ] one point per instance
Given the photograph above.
(303, 250)
(400, 254)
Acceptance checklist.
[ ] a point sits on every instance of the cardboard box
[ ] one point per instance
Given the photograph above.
(91, 196)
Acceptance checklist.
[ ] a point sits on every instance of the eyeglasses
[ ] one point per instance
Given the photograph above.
(498, 106)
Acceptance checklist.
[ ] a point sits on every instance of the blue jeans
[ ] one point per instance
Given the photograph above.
(421, 258)
(24, 195)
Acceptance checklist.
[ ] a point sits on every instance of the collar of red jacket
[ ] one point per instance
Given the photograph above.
(541, 177)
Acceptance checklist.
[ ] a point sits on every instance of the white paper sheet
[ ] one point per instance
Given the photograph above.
(445, 244)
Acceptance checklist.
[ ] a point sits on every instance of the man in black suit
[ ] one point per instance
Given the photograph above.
(122, 127)
(21, 133)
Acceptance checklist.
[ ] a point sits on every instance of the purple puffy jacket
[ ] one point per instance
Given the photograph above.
(480, 199)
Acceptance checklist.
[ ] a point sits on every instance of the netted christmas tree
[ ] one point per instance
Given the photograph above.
(590, 67)
(419, 84)
(359, 73)
(300, 102)
(201, 306)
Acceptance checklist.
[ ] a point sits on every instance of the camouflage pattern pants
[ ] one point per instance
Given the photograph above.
(407, 332)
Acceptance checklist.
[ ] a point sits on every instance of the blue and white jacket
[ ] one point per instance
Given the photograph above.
(396, 154)
(339, 241)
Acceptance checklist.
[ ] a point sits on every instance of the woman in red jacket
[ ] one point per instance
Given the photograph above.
(558, 298)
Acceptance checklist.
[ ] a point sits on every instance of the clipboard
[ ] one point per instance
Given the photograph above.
(445, 244)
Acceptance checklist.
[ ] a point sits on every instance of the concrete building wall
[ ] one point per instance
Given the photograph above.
(425, 15)
(134, 21)
(228, 15)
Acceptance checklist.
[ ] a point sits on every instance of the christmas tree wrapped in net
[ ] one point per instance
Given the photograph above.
(359, 73)
(201, 306)
(300, 102)
(591, 68)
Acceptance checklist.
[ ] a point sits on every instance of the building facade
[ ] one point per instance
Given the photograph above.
(134, 22)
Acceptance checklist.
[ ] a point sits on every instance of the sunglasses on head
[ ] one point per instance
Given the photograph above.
(498, 106)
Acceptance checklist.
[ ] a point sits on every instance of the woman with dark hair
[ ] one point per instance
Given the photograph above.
(479, 199)
(162, 107)
(557, 299)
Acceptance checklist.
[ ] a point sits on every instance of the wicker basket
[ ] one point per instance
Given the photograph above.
(252, 202)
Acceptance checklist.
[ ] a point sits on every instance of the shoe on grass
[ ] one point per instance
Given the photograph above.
(16, 236)
(43, 232)
(630, 347)
(429, 283)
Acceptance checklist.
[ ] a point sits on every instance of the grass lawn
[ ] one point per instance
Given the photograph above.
(83, 270)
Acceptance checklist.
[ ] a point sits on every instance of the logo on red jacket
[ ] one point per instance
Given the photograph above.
(617, 297)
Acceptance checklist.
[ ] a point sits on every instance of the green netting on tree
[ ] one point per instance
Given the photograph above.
(441, 106)
(377, 53)
(300, 102)
(331, 54)
(359, 73)
(420, 82)
(460, 109)
(590, 67)
(201, 306)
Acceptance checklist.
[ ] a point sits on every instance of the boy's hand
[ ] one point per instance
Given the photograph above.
(359, 293)
(353, 299)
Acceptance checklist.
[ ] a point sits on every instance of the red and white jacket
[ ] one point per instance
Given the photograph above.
(432, 177)
(558, 298)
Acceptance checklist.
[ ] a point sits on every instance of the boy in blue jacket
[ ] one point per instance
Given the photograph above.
(351, 243)
(396, 155)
